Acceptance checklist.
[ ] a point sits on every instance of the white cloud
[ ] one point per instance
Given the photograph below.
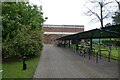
(65, 12)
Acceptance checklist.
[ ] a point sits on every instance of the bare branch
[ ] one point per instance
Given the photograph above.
(106, 16)
(90, 11)
(116, 1)
(93, 20)
(94, 1)
(103, 11)
(107, 3)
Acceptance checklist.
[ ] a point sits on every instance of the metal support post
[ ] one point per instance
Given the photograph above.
(109, 55)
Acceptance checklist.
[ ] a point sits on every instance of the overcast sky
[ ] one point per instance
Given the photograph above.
(67, 12)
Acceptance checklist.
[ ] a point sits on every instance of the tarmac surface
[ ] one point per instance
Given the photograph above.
(57, 62)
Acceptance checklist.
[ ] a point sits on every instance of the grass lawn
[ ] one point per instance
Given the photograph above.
(114, 51)
(14, 69)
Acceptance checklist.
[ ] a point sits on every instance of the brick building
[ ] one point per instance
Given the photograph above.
(52, 32)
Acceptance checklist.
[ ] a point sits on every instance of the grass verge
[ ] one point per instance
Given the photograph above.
(14, 69)
(114, 52)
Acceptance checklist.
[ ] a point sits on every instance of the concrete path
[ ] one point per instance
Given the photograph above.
(56, 62)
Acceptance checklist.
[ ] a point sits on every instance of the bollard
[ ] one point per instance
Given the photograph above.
(24, 64)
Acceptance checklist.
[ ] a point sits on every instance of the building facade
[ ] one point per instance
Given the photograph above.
(52, 32)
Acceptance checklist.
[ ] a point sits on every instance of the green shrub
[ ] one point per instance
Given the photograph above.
(114, 42)
(22, 29)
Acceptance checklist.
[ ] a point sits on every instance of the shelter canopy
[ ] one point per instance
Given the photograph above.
(106, 32)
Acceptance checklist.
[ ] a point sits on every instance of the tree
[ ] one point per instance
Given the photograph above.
(116, 17)
(118, 2)
(99, 10)
(22, 29)
(108, 24)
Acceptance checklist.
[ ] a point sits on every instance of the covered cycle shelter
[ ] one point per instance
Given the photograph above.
(107, 32)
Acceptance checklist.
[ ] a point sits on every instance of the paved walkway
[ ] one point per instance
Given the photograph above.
(56, 62)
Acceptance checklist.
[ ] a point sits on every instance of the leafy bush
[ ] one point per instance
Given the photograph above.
(114, 42)
(22, 29)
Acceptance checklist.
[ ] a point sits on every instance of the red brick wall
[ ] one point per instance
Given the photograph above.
(54, 29)
(50, 38)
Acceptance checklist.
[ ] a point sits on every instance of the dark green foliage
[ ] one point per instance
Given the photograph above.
(22, 29)
(114, 42)
(116, 17)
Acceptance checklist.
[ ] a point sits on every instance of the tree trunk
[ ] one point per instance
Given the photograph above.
(118, 5)
(101, 14)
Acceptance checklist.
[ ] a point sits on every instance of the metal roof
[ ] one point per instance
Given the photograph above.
(107, 32)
